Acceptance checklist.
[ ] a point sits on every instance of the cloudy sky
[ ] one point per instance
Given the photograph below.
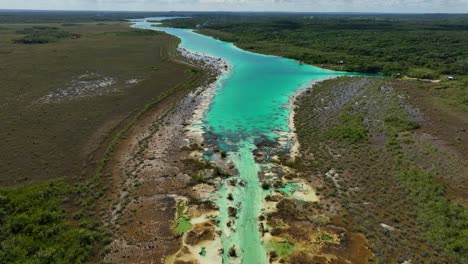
(417, 6)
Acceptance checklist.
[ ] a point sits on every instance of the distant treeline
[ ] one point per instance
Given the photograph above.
(23, 16)
(422, 46)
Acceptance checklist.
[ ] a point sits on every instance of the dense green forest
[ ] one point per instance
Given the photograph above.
(34, 227)
(417, 46)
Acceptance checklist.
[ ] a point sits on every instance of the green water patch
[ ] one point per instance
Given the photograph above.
(326, 237)
(183, 225)
(203, 252)
(182, 219)
(289, 188)
(281, 248)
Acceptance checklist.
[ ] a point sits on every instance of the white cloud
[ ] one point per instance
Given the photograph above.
(450, 6)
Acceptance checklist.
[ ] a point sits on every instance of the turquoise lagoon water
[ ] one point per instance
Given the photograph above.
(248, 106)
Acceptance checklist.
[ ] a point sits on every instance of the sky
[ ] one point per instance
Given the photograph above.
(393, 6)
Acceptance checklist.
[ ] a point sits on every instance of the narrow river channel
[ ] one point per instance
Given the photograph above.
(248, 106)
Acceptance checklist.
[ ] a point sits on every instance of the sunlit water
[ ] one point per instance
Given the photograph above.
(248, 106)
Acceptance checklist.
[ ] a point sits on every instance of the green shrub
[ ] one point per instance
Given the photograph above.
(153, 68)
(446, 223)
(191, 71)
(464, 100)
(34, 228)
(400, 124)
(352, 129)
(423, 73)
(41, 35)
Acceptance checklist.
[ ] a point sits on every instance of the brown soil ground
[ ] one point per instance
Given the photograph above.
(148, 174)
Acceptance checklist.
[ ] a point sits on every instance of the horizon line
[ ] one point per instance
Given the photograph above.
(238, 11)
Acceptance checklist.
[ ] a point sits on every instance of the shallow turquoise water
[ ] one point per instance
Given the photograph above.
(248, 106)
(289, 188)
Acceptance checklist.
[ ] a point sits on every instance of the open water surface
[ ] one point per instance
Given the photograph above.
(248, 106)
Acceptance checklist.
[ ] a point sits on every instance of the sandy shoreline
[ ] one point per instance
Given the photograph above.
(150, 176)
(290, 138)
(207, 93)
(195, 134)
